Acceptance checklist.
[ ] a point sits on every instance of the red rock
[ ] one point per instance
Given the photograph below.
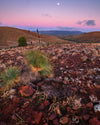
(52, 117)
(83, 91)
(37, 117)
(72, 111)
(83, 105)
(89, 105)
(55, 122)
(53, 84)
(40, 100)
(26, 91)
(16, 101)
(29, 119)
(69, 121)
(64, 103)
(86, 117)
(64, 120)
(46, 102)
(64, 82)
(25, 104)
(77, 117)
(75, 89)
(3, 123)
(17, 109)
(7, 110)
(68, 109)
(34, 96)
(39, 84)
(13, 117)
(94, 121)
(45, 124)
(41, 107)
(84, 58)
(33, 122)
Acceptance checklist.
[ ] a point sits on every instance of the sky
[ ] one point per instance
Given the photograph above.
(67, 15)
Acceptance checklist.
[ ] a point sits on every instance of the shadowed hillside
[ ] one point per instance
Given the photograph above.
(9, 37)
(93, 37)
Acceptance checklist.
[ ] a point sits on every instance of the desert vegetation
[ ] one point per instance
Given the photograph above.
(39, 63)
(8, 77)
(22, 41)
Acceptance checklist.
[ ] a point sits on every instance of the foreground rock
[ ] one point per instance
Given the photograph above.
(94, 121)
(26, 91)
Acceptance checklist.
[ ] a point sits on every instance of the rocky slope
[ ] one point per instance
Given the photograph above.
(72, 97)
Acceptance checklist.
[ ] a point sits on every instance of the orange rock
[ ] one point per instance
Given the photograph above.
(26, 91)
(89, 105)
(37, 117)
(64, 120)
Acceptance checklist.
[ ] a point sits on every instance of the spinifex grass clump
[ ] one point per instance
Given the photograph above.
(9, 76)
(39, 63)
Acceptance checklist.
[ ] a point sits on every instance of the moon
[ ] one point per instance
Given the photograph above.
(58, 4)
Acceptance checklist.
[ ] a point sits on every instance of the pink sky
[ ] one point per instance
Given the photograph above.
(47, 13)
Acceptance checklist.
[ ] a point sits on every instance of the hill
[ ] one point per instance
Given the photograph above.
(93, 37)
(60, 33)
(9, 37)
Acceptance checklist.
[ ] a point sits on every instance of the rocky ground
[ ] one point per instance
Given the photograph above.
(71, 97)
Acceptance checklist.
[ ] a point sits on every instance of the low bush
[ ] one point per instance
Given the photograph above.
(22, 41)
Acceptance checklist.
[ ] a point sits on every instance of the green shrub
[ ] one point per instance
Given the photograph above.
(22, 41)
(43, 45)
(9, 76)
(39, 61)
(48, 43)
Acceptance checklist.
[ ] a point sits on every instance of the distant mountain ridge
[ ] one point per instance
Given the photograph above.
(91, 37)
(60, 33)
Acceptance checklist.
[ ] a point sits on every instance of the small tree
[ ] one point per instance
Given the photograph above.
(22, 41)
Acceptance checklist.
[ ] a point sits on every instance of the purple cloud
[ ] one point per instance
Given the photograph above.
(87, 22)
